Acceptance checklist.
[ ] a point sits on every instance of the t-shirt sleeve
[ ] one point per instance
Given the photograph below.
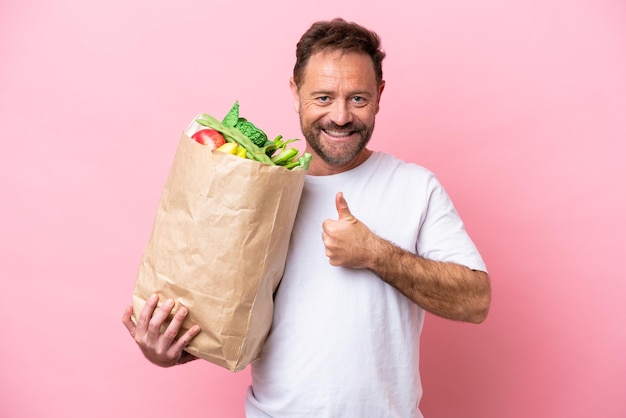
(442, 235)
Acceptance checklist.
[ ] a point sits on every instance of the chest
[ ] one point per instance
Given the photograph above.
(392, 206)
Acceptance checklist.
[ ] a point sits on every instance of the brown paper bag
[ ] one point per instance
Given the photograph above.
(218, 246)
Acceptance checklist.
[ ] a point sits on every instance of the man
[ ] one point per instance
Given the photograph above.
(350, 307)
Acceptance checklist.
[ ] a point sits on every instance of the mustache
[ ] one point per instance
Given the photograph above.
(348, 127)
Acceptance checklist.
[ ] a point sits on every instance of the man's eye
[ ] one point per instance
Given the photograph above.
(358, 100)
(323, 99)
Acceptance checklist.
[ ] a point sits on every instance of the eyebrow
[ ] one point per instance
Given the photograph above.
(364, 93)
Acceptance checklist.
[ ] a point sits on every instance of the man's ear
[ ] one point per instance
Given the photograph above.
(296, 96)
(381, 87)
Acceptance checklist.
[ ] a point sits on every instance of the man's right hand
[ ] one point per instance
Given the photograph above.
(161, 348)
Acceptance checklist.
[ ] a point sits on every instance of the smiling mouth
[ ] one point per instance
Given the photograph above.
(338, 134)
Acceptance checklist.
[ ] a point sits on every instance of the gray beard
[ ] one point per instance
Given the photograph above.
(342, 154)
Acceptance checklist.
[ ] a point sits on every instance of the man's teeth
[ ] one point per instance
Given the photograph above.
(338, 134)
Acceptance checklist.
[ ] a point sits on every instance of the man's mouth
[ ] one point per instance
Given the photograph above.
(339, 134)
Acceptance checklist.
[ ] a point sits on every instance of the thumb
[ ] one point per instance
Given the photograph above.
(342, 208)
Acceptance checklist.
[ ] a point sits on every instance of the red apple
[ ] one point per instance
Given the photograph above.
(209, 137)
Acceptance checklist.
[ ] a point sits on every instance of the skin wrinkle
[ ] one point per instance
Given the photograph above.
(339, 90)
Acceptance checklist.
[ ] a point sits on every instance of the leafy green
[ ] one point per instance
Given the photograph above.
(232, 120)
(254, 140)
(248, 129)
(232, 134)
(232, 116)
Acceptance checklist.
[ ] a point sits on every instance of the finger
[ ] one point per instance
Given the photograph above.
(174, 326)
(158, 319)
(146, 313)
(342, 207)
(186, 338)
(327, 225)
(128, 322)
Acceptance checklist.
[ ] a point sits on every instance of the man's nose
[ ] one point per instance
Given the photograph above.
(340, 113)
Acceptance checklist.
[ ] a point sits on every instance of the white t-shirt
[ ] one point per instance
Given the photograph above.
(343, 342)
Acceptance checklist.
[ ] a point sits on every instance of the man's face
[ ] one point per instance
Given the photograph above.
(337, 103)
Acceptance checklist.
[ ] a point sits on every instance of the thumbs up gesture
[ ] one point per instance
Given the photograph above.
(348, 241)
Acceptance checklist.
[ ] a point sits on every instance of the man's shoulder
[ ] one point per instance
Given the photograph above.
(387, 160)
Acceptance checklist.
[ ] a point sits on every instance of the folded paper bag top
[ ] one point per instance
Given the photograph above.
(218, 246)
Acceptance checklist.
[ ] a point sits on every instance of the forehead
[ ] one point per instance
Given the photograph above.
(334, 68)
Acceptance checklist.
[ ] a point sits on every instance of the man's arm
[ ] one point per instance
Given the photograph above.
(448, 290)
(445, 289)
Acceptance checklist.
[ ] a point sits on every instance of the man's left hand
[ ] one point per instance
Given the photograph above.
(348, 241)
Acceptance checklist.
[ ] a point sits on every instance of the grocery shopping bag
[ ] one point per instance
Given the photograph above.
(218, 247)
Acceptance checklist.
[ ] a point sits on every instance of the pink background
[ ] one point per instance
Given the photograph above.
(518, 106)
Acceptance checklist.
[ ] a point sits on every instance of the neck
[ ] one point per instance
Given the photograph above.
(319, 167)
